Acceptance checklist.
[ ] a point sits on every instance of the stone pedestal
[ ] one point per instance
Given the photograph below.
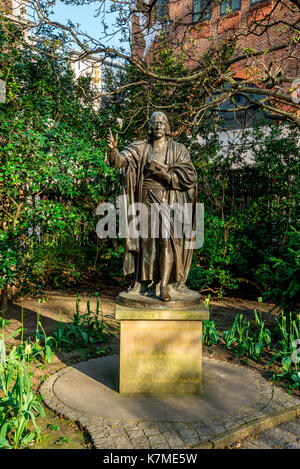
(161, 350)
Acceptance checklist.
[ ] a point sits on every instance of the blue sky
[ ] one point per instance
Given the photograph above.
(85, 16)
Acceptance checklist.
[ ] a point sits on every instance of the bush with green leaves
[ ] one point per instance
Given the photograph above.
(282, 274)
(250, 192)
(52, 170)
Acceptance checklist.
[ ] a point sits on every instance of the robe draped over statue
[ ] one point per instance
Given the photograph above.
(181, 189)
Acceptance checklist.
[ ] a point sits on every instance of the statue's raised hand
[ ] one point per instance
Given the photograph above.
(112, 141)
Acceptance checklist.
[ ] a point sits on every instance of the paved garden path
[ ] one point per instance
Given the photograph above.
(284, 436)
(236, 402)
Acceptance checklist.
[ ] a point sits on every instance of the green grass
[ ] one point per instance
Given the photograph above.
(60, 433)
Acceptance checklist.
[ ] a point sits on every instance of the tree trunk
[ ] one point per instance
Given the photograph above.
(4, 308)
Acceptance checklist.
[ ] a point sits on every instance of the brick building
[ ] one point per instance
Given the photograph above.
(197, 27)
(205, 23)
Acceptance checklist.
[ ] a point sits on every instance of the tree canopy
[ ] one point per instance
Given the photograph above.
(255, 55)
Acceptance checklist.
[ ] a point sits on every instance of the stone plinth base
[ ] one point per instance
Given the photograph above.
(161, 351)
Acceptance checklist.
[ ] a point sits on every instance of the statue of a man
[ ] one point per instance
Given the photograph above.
(157, 171)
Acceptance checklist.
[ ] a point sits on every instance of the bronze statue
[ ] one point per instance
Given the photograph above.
(157, 171)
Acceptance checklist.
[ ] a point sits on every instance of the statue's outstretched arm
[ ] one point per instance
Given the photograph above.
(114, 157)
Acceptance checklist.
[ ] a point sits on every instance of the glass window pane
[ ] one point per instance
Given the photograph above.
(197, 6)
(224, 7)
(201, 10)
(207, 8)
(236, 5)
(162, 9)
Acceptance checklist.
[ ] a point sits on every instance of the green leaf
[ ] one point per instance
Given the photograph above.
(286, 363)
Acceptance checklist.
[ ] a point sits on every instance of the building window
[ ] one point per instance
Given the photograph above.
(242, 110)
(229, 6)
(201, 10)
(162, 10)
(255, 2)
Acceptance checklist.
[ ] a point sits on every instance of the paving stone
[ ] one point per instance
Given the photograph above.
(112, 422)
(283, 403)
(95, 428)
(248, 414)
(103, 443)
(276, 405)
(189, 442)
(151, 431)
(147, 425)
(249, 445)
(265, 402)
(134, 433)
(240, 422)
(284, 436)
(118, 435)
(123, 443)
(290, 399)
(293, 426)
(268, 442)
(238, 416)
(268, 410)
(128, 427)
(217, 427)
(230, 425)
(74, 415)
(201, 429)
(84, 420)
(176, 443)
(259, 444)
(187, 433)
(292, 445)
(227, 418)
(267, 390)
(278, 434)
(158, 442)
(257, 414)
(140, 443)
(167, 426)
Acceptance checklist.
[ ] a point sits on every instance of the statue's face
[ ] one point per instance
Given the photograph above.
(159, 127)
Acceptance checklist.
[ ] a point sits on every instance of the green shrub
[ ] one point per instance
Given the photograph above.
(283, 274)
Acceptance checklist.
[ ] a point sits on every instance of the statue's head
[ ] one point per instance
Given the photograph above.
(159, 119)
